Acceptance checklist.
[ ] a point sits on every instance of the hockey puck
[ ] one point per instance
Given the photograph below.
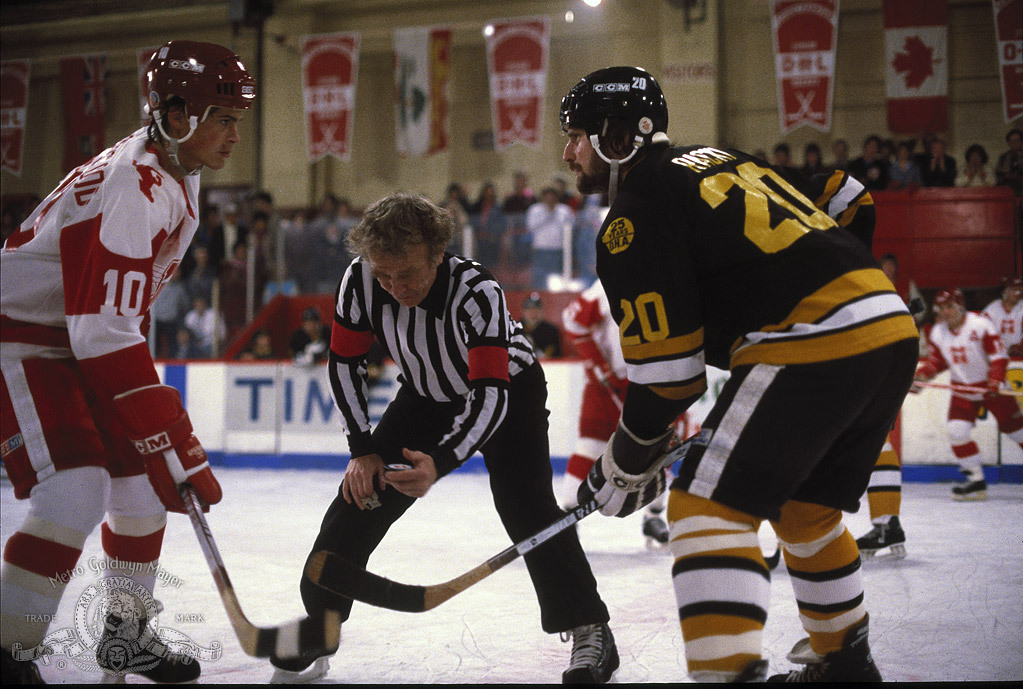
(397, 467)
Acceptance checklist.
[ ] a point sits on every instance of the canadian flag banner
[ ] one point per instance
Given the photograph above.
(83, 82)
(142, 58)
(916, 57)
(422, 62)
(517, 59)
(13, 106)
(804, 61)
(330, 64)
(1009, 37)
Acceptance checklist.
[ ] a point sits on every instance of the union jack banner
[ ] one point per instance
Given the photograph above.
(83, 82)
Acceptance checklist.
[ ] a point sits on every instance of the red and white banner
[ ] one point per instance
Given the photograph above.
(422, 62)
(805, 33)
(13, 106)
(142, 58)
(517, 59)
(916, 59)
(83, 81)
(330, 65)
(1009, 37)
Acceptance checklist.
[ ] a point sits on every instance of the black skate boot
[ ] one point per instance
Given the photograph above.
(756, 671)
(883, 541)
(125, 649)
(19, 671)
(852, 663)
(594, 655)
(970, 490)
(655, 530)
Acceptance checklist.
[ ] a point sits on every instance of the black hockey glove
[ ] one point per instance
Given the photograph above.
(618, 492)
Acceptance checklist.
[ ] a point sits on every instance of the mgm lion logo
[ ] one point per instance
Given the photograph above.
(115, 631)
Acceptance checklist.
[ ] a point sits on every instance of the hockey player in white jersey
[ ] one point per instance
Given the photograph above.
(1006, 313)
(967, 344)
(90, 435)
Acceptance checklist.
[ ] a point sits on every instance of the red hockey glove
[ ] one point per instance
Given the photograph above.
(162, 433)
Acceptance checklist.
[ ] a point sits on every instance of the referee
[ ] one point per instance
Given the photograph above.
(469, 382)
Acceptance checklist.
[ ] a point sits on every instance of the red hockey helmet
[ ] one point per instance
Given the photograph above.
(204, 75)
(951, 295)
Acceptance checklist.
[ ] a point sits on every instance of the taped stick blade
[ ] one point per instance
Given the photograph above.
(343, 578)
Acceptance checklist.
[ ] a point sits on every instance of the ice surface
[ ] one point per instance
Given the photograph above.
(950, 611)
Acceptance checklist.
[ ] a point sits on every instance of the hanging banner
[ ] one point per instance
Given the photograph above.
(142, 58)
(517, 60)
(916, 57)
(422, 63)
(1009, 40)
(83, 81)
(805, 34)
(13, 106)
(330, 64)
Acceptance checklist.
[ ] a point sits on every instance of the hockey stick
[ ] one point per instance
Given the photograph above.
(340, 577)
(289, 640)
(968, 389)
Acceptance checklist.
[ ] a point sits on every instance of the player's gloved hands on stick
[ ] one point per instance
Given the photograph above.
(159, 426)
(620, 492)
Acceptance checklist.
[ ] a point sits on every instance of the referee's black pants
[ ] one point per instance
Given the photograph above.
(518, 460)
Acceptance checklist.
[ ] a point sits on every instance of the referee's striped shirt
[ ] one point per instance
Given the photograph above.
(459, 343)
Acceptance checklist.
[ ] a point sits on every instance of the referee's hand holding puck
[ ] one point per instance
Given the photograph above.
(416, 480)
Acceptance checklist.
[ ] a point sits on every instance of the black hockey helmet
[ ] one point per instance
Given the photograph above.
(626, 93)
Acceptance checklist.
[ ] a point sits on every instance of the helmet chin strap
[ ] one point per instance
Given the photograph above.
(172, 143)
(615, 163)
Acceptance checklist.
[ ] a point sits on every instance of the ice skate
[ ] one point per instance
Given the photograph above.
(756, 671)
(594, 655)
(19, 671)
(970, 490)
(655, 530)
(117, 656)
(299, 670)
(883, 541)
(851, 663)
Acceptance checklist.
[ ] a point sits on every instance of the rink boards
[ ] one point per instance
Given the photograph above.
(278, 414)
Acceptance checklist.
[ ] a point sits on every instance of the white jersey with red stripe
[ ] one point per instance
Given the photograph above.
(590, 316)
(1008, 324)
(969, 352)
(94, 254)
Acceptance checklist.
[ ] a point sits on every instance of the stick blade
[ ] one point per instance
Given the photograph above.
(306, 636)
(340, 577)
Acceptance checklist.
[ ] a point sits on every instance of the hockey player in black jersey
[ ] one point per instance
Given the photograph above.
(710, 256)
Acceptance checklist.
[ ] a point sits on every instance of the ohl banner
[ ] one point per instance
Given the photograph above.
(916, 72)
(330, 64)
(1009, 37)
(804, 60)
(422, 62)
(83, 82)
(13, 105)
(517, 60)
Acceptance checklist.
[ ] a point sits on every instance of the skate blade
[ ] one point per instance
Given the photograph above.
(893, 552)
(654, 545)
(312, 673)
(971, 497)
(802, 654)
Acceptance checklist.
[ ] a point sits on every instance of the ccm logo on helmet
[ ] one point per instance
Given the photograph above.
(611, 88)
(187, 65)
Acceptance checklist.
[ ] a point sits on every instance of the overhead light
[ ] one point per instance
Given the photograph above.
(592, 3)
(570, 16)
(488, 30)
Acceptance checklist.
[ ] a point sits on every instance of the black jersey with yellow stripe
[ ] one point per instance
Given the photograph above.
(709, 256)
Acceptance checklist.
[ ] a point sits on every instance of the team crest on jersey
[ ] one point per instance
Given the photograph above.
(618, 236)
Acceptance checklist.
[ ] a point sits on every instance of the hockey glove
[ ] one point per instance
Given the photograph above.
(618, 492)
(159, 427)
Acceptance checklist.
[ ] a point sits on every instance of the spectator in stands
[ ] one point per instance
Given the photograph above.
(168, 312)
(1007, 315)
(940, 170)
(298, 249)
(184, 345)
(565, 194)
(329, 258)
(263, 202)
(457, 207)
(588, 220)
(234, 289)
(261, 348)
(208, 226)
(923, 158)
(310, 342)
(207, 327)
(203, 276)
(541, 333)
(840, 154)
(904, 172)
(487, 218)
(975, 172)
(225, 235)
(869, 169)
(812, 162)
(547, 222)
(781, 157)
(886, 151)
(515, 206)
(1009, 168)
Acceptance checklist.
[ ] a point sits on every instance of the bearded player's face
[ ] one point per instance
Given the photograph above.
(591, 172)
